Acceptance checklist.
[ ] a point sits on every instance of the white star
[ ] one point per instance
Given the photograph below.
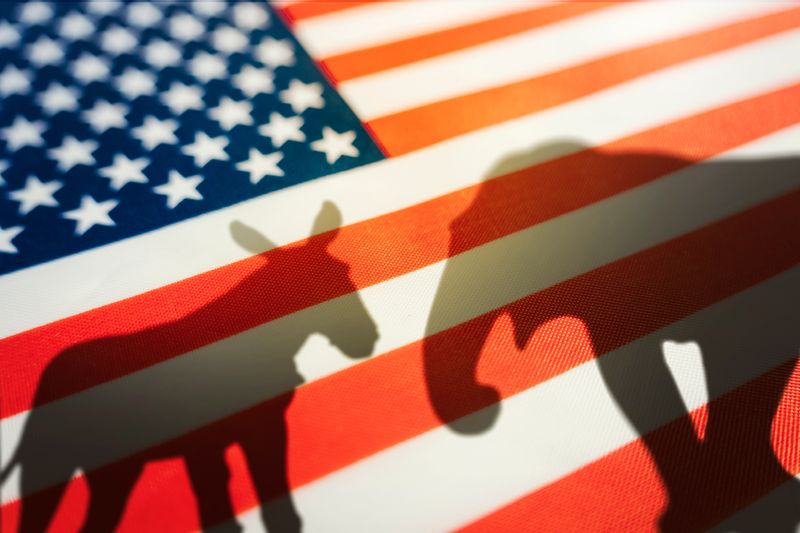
(118, 40)
(185, 27)
(6, 236)
(35, 12)
(335, 145)
(205, 148)
(275, 53)
(102, 7)
(3, 168)
(34, 194)
(250, 16)
(73, 152)
(260, 165)
(88, 68)
(281, 129)
(14, 81)
(125, 170)
(162, 54)
(105, 115)
(252, 81)
(208, 8)
(228, 40)
(75, 26)
(179, 188)
(58, 98)
(91, 213)
(180, 97)
(143, 14)
(9, 36)
(134, 83)
(24, 132)
(154, 132)
(302, 96)
(45, 51)
(206, 67)
(230, 113)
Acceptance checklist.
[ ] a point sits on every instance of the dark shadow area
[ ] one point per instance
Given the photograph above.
(167, 402)
(707, 476)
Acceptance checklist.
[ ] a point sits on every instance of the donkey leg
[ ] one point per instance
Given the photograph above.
(109, 492)
(265, 450)
(38, 509)
(209, 476)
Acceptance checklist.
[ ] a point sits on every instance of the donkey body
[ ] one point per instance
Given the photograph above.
(120, 418)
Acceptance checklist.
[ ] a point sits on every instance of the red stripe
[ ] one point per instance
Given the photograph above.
(618, 303)
(448, 118)
(358, 63)
(528, 197)
(307, 9)
(623, 491)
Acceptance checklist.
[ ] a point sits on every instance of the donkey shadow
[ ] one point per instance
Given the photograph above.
(168, 400)
(704, 476)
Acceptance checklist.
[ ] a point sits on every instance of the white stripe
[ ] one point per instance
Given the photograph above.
(685, 362)
(536, 52)
(441, 480)
(384, 22)
(187, 392)
(120, 270)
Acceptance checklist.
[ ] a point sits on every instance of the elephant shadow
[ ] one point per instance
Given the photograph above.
(166, 409)
(706, 477)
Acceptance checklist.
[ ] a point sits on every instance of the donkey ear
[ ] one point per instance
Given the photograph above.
(329, 218)
(250, 239)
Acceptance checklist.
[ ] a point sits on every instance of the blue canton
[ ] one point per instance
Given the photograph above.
(120, 118)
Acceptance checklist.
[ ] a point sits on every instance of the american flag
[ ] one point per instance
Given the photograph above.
(423, 265)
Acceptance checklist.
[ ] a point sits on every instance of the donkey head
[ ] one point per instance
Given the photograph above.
(311, 267)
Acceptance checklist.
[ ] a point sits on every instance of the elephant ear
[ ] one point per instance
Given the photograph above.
(250, 239)
(327, 223)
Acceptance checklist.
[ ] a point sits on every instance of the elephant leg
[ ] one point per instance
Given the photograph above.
(209, 475)
(644, 388)
(265, 450)
(109, 491)
(38, 510)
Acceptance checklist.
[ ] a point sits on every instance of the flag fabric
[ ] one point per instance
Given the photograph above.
(423, 265)
(173, 91)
